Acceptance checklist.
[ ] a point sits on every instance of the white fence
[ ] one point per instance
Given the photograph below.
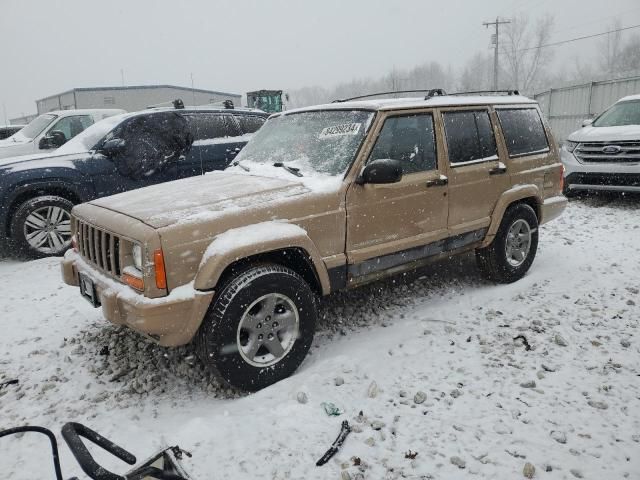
(566, 107)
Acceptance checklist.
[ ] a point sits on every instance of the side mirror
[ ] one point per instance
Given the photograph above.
(587, 121)
(112, 148)
(382, 170)
(53, 139)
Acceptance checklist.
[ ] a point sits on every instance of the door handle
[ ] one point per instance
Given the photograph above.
(498, 170)
(438, 182)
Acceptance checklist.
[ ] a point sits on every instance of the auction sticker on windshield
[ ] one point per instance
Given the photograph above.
(338, 130)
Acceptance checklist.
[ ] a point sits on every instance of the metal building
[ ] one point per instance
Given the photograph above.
(131, 98)
(566, 107)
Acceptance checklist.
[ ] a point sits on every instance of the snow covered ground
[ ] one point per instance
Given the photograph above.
(570, 405)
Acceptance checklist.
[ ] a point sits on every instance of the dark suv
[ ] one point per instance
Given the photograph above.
(8, 130)
(120, 153)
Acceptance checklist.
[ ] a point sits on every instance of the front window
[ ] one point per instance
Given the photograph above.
(36, 127)
(73, 125)
(623, 113)
(321, 142)
(88, 139)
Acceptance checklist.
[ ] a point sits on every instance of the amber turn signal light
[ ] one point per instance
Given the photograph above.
(161, 274)
(133, 281)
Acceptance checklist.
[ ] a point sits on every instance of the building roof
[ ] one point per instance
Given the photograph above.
(138, 87)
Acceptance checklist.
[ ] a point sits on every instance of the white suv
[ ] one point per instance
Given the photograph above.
(605, 153)
(52, 130)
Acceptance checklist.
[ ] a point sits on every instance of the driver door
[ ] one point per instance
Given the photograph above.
(390, 224)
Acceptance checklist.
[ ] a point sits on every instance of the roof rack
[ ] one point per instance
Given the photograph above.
(177, 104)
(488, 92)
(430, 93)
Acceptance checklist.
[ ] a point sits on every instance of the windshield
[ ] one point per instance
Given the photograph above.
(89, 138)
(35, 128)
(623, 113)
(322, 142)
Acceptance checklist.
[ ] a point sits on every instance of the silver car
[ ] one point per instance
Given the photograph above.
(604, 155)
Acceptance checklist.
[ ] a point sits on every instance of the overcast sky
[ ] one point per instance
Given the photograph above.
(241, 45)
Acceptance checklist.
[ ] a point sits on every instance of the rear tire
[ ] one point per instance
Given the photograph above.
(259, 328)
(41, 227)
(514, 247)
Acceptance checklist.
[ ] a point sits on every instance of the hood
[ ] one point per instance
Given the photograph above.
(25, 162)
(199, 199)
(9, 148)
(606, 134)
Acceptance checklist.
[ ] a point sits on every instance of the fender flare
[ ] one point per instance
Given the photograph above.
(518, 192)
(239, 243)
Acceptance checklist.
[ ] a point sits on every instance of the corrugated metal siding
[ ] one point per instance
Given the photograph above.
(566, 108)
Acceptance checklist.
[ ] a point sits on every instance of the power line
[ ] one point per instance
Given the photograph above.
(578, 38)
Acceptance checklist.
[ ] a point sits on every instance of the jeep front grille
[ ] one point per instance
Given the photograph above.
(608, 152)
(99, 248)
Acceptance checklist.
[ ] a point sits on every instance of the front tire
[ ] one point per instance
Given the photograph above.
(514, 247)
(259, 328)
(41, 227)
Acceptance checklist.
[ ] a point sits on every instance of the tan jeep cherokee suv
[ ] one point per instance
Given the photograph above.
(321, 199)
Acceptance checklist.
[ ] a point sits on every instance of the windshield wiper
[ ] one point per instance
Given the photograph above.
(295, 171)
(244, 167)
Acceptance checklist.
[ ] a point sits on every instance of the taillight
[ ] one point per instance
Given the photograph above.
(74, 243)
(561, 178)
(161, 274)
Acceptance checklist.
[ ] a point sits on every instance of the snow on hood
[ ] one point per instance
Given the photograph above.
(606, 134)
(19, 162)
(200, 198)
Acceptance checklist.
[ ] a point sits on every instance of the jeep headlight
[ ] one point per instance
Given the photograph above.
(569, 146)
(136, 253)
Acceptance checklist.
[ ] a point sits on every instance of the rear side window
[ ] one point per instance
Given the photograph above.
(410, 140)
(523, 131)
(206, 126)
(250, 123)
(469, 136)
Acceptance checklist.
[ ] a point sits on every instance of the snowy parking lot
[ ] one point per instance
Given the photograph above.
(442, 375)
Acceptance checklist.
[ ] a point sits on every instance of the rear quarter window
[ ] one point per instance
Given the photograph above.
(207, 126)
(523, 131)
(250, 123)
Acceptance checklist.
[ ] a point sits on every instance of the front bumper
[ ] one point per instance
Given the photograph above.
(615, 177)
(169, 321)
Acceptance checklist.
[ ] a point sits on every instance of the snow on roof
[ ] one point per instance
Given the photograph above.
(437, 101)
(629, 97)
(86, 111)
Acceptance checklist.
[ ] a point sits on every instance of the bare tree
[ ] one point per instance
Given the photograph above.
(522, 52)
(629, 58)
(477, 73)
(610, 48)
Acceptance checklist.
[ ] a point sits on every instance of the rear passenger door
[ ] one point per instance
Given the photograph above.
(214, 135)
(477, 176)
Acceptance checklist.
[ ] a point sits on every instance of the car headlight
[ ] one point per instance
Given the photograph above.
(569, 146)
(136, 252)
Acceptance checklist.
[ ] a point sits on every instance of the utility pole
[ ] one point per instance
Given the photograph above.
(497, 23)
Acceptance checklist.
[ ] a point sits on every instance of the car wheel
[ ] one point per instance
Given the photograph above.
(259, 328)
(41, 227)
(514, 247)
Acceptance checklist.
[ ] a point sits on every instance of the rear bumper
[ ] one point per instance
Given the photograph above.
(552, 207)
(169, 321)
